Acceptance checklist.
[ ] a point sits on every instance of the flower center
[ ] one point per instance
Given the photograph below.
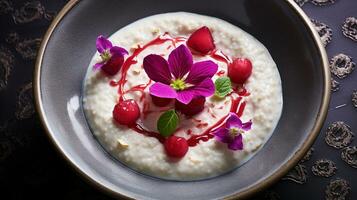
(235, 131)
(178, 84)
(105, 55)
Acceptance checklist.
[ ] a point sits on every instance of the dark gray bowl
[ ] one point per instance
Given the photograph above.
(279, 24)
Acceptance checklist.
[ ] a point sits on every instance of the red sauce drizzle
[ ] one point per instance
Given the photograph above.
(201, 125)
(221, 73)
(138, 128)
(140, 88)
(241, 91)
(220, 56)
(211, 113)
(236, 107)
(113, 83)
(207, 134)
(146, 109)
(235, 104)
(241, 109)
(189, 132)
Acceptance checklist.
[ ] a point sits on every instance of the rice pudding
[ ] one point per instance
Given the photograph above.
(182, 96)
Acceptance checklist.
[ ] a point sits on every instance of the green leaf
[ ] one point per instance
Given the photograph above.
(167, 123)
(223, 86)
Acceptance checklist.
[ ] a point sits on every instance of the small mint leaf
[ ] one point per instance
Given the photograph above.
(167, 123)
(223, 86)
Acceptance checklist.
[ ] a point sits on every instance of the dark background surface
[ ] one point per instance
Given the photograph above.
(31, 168)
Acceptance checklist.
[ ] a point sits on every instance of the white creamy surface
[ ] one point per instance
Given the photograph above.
(207, 159)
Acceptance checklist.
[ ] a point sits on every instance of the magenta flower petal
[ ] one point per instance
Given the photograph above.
(222, 135)
(118, 51)
(205, 88)
(98, 65)
(185, 96)
(103, 44)
(237, 143)
(230, 134)
(157, 68)
(233, 121)
(200, 71)
(247, 126)
(162, 90)
(180, 61)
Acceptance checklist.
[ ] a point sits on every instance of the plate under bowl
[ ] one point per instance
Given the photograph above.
(279, 24)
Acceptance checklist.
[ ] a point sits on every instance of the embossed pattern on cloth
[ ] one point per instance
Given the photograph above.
(349, 155)
(325, 32)
(341, 65)
(322, 2)
(27, 48)
(324, 167)
(354, 98)
(6, 65)
(30, 167)
(315, 2)
(349, 28)
(25, 108)
(301, 2)
(335, 85)
(31, 11)
(339, 135)
(298, 174)
(5, 7)
(308, 155)
(338, 189)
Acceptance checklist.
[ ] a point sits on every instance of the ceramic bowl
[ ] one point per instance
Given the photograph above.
(280, 25)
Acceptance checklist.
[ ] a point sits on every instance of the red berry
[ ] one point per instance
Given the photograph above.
(240, 70)
(126, 112)
(201, 40)
(176, 146)
(113, 65)
(195, 106)
(160, 102)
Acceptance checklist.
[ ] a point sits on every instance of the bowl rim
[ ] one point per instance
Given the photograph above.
(263, 184)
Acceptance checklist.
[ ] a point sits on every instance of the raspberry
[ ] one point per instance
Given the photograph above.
(194, 107)
(126, 112)
(240, 70)
(113, 65)
(176, 146)
(160, 102)
(201, 40)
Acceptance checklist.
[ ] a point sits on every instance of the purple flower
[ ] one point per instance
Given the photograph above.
(178, 77)
(232, 132)
(112, 56)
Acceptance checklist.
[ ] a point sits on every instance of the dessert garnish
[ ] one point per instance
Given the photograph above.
(167, 123)
(223, 87)
(121, 144)
(201, 40)
(175, 146)
(160, 102)
(179, 78)
(196, 105)
(187, 83)
(126, 112)
(240, 70)
(112, 57)
(232, 132)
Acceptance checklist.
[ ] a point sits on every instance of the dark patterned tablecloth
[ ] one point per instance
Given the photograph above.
(31, 168)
